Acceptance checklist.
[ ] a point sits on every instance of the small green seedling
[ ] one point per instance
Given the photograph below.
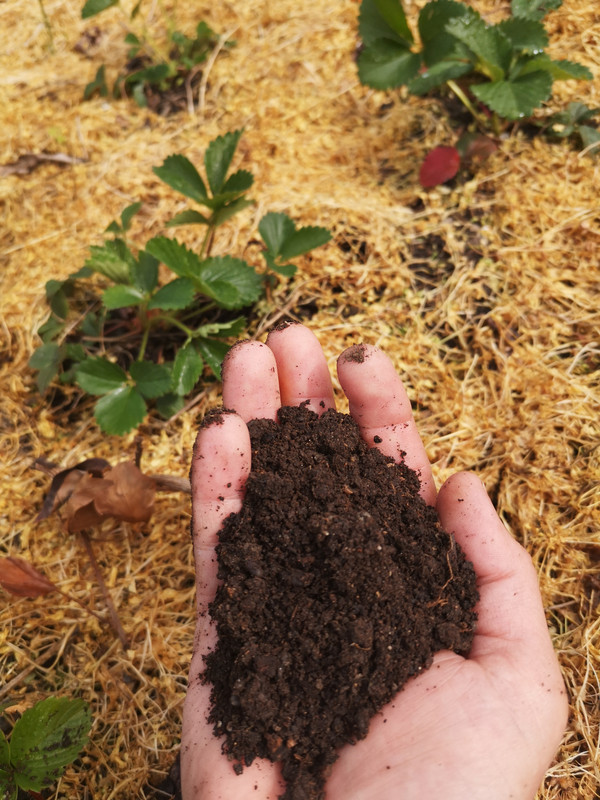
(500, 72)
(132, 340)
(47, 738)
(575, 122)
(152, 66)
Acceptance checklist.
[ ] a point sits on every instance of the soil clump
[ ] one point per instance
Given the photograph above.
(337, 585)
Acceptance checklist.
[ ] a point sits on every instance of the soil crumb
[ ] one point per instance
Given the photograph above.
(337, 585)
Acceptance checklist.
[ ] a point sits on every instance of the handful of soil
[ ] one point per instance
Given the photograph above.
(338, 584)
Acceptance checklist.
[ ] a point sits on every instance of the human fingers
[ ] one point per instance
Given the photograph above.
(379, 404)
(511, 624)
(301, 367)
(220, 467)
(250, 382)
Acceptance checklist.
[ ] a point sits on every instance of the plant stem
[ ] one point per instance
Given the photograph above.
(208, 241)
(464, 99)
(47, 25)
(174, 321)
(114, 617)
(145, 336)
(83, 605)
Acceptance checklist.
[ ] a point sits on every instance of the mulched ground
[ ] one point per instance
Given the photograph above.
(485, 294)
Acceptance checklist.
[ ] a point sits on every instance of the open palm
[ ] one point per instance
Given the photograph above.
(482, 727)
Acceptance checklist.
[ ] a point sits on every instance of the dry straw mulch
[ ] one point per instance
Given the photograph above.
(486, 296)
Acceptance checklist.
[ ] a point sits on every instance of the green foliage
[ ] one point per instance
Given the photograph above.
(130, 338)
(503, 66)
(47, 738)
(152, 66)
(574, 122)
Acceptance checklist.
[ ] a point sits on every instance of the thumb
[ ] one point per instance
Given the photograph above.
(511, 620)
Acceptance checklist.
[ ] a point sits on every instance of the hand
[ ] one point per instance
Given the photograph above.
(484, 727)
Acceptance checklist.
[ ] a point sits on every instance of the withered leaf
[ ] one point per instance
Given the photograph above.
(64, 482)
(122, 492)
(27, 162)
(20, 578)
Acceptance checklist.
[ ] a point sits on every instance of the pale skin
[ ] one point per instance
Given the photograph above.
(484, 727)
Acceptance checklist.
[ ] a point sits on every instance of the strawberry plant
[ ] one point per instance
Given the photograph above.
(575, 121)
(131, 339)
(153, 68)
(500, 72)
(46, 738)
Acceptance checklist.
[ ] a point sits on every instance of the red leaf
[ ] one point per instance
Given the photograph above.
(440, 165)
(19, 577)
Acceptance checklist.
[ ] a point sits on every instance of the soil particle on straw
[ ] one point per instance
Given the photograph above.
(337, 585)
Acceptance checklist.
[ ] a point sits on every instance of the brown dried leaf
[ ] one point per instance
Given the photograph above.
(123, 492)
(20, 578)
(64, 482)
(27, 162)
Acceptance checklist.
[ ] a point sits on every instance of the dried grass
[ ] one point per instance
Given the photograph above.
(486, 296)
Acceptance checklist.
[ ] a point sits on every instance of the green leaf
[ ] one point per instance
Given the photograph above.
(127, 215)
(561, 70)
(533, 9)
(50, 329)
(176, 256)
(187, 368)
(47, 360)
(438, 74)
(151, 380)
(91, 325)
(392, 13)
(56, 294)
(274, 229)
(518, 98)
(46, 738)
(113, 260)
(213, 351)
(231, 282)
(8, 788)
(387, 65)
(383, 19)
(287, 270)
(169, 404)
(229, 210)
(525, 35)
(579, 112)
(139, 95)
(589, 136)
(438, 44)
(120, 411)
(153, 75)
(144, 272)
(176, 294)
(97, 85)
(100, 376)
(492, 48)
(121, 296)
(239, 182)
(93, 7)
(222, 329)
(180, 174)
(75, 351)
(188, 217)
(218, 157)
(303, 240)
